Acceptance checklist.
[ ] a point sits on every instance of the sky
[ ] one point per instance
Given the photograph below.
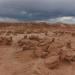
(36, 9)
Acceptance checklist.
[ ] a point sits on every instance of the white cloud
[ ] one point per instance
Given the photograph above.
(6, 19)
(45, 8)
(30, 14)
(23, 12)
(65, 19)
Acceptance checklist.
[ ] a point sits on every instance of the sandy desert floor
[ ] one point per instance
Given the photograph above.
(37, 49)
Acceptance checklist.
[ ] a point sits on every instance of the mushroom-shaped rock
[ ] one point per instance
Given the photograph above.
(68, 55)
(39, 52)
(52, 62)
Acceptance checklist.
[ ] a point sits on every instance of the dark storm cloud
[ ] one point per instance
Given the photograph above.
(36, 9)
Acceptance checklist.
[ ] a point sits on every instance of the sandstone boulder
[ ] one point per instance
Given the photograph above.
(52, 62)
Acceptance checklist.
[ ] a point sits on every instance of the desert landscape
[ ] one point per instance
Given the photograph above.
(37, 49)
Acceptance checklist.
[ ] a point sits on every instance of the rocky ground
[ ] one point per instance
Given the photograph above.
(37, 49)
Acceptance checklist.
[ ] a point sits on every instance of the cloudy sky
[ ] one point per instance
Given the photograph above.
(36, 9)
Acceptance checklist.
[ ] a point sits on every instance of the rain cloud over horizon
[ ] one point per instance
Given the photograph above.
(36, 9)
